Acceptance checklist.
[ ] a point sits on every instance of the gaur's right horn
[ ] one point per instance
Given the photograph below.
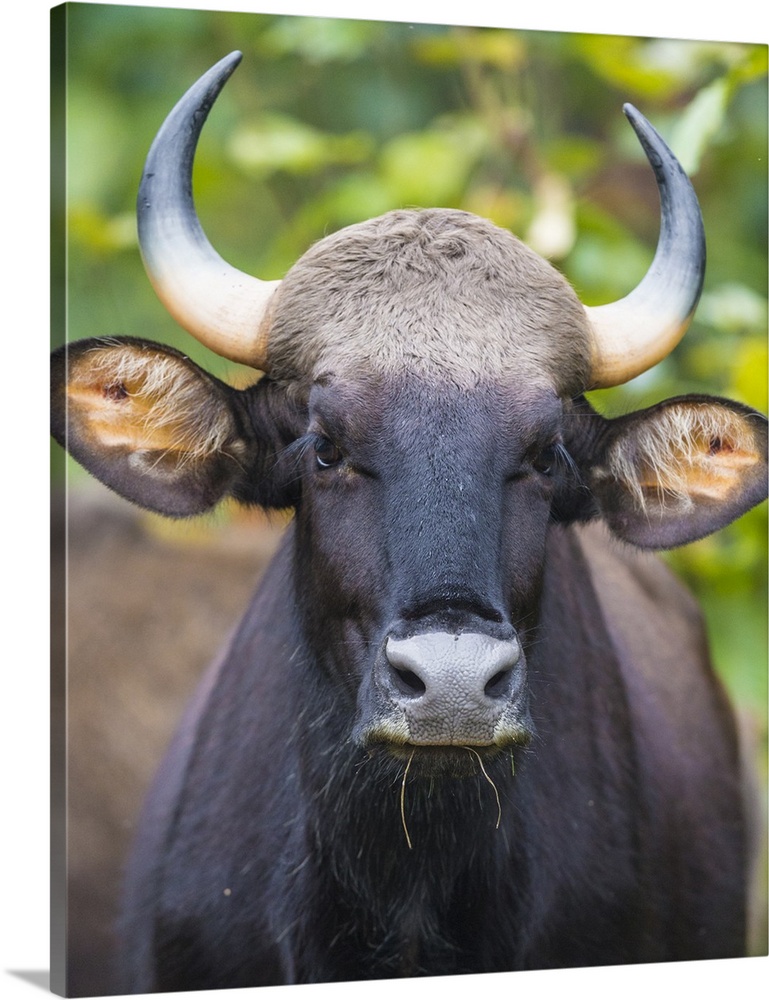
(222, 307)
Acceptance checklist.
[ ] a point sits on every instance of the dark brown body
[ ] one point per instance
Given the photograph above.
(277, 854)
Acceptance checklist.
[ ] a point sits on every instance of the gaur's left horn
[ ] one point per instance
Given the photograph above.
(635, 333)
(222, 307)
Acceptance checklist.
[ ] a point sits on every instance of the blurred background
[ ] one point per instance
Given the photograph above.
(328, 122)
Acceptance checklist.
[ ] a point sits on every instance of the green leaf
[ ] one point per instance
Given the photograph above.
(505, 50)
(622, 62)
(278, 142)
(432, 167)
(700, 121)
(319, 39)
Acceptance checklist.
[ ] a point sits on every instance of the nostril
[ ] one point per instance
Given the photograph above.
(454, 670)
(408, 681)
(498, 686)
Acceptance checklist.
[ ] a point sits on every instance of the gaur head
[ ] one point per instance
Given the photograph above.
(422, 410)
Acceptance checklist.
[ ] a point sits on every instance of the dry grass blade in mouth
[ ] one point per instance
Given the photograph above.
(486, 776)
(403, 800)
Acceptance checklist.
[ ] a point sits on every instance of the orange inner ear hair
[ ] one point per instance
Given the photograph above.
(138, 400)
(685, 453)
(711, 470)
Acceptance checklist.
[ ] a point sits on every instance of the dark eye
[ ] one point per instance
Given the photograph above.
(327, 455)
(544, 462)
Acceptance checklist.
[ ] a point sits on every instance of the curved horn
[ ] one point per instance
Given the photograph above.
(635, 333)
(222, 307)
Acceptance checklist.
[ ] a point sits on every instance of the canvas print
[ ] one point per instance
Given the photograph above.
(409, 544)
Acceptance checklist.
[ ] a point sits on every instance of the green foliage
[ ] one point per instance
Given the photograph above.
(328, 122)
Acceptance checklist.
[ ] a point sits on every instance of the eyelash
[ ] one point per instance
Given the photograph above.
(552, 459)
(317, 443)
(555, 458)
(324, 444)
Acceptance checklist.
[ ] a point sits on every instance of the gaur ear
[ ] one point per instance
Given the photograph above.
(681, 470)
(147, 422)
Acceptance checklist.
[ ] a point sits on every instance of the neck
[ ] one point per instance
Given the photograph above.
(411, 865)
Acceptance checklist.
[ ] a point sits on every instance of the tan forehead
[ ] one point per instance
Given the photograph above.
(438, 293)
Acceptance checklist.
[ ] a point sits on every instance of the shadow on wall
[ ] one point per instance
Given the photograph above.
(147, 607)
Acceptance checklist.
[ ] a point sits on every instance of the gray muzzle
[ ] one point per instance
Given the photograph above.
(454, 689)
